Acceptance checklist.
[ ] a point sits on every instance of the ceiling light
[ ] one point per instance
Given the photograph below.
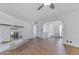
(47, 2)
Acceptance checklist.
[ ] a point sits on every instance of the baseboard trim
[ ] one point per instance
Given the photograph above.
(71, 46)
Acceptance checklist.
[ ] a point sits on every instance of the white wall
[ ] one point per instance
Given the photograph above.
(28, 30)
(71, 28)
(7, 19)
(39, 29)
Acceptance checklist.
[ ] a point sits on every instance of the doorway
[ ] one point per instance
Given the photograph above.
(35, 30)
(53, 29)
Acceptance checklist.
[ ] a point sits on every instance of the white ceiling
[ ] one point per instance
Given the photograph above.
(28, 11)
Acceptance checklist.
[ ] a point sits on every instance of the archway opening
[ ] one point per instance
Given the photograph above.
(53, 30)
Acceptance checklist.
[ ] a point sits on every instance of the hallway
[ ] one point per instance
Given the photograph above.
(43, 47)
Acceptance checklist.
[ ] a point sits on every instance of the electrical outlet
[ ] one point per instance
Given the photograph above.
(70, 41)
(67, 41)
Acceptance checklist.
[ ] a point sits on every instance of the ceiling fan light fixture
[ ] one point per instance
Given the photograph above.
(47, 4)
(52, 6)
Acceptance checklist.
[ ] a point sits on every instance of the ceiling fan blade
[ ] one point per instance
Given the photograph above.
(40, 7)
(52, 6)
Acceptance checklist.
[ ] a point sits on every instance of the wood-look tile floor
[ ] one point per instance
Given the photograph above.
(43, 47)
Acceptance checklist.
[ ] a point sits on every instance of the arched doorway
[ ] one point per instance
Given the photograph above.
(53, 29)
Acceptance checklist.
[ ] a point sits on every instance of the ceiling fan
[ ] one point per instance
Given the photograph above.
(51, 6)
